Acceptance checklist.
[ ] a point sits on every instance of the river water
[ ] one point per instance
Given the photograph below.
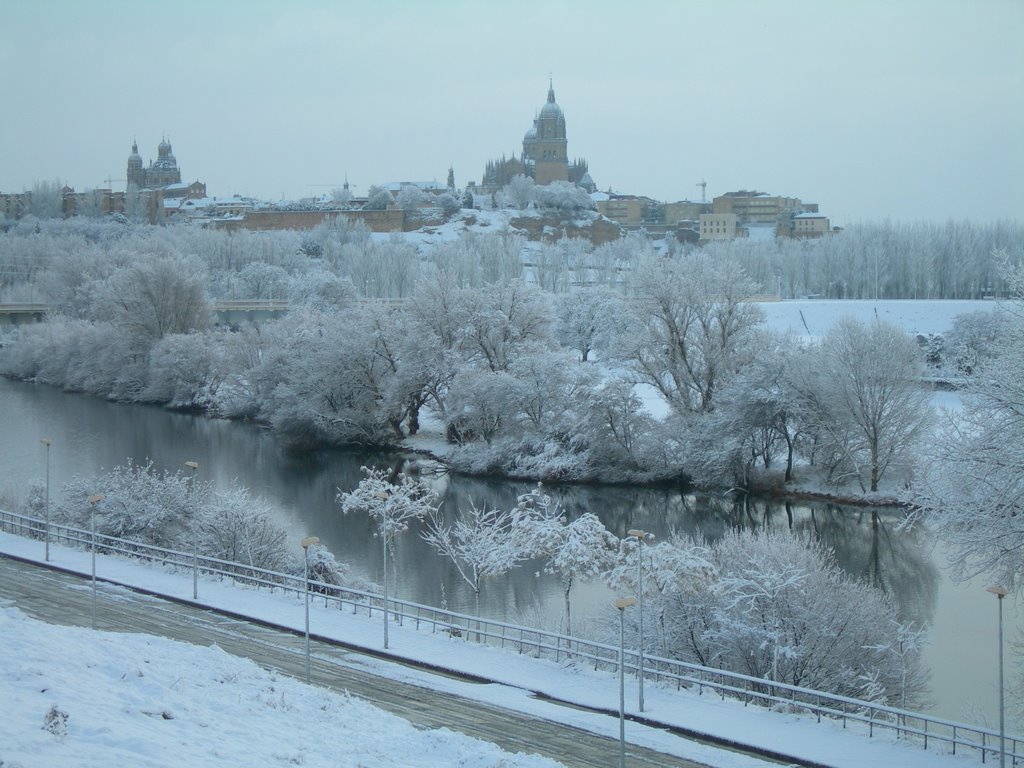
(91, 435)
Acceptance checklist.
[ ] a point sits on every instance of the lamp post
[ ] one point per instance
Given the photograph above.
(622, 604)
(307, 542)
(47, 441)
(1000, 592)
(640, 537)
(384, 539)
(194, 465)
(93, 501)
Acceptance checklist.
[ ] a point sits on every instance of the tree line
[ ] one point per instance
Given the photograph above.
(41, 258)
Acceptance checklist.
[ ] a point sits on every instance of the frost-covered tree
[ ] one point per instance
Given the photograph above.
(562, 196)
(393, 506)
(691, 328)
(779, 607)
(410, 197)
(870, 399)
(448, 202)
(182, 371)
(755, 424)
(259, 280)
(573, 550)
(479, 543)
(617, 429)
(341, 196)
(476, 405)
(155, 297)
(971, 342)
(502, 320)
(518, 193)
(973, 490)
(378, 198)
(672, 570)
(334, 379)
(321, 291)
(590, 318)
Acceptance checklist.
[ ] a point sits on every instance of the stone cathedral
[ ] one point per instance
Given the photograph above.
(545, 156)
(162, 172)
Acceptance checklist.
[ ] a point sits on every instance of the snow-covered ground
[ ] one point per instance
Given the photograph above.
(117, 716)
(812, 318)
(75, 697)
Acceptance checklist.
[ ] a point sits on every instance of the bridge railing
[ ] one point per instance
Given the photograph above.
(543, 644)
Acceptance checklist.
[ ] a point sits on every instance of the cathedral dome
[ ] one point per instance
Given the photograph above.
(530, 135)
(551, 109)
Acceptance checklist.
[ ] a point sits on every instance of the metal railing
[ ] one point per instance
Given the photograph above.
(543, 644)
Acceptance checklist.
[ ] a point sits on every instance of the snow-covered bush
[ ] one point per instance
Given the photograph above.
(562, 196)
(779, 607)
(236, 526)
(139, 503)
(181, 372)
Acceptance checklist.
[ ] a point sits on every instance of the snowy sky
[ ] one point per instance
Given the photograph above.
(907, 109)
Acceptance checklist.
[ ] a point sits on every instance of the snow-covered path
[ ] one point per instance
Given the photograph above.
(57, 597)
(825, 743)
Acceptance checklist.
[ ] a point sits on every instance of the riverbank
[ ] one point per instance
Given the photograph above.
(90, 435)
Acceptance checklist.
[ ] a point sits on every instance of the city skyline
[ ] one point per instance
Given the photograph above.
(908, 110)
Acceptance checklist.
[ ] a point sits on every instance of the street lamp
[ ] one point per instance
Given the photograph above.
(622, 604)
(93, 501)
(640, 537)
(307, 542)
(1000, 592)
(384, 539)
(47, 441)
(194, 465)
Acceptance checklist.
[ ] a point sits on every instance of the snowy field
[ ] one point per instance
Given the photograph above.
(116, 716)
(811, 318)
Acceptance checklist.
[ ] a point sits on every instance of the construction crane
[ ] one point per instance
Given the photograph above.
(703, 189)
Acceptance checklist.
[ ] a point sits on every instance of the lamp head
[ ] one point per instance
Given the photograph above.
(998, 591)
(624, 602)
(309, 541)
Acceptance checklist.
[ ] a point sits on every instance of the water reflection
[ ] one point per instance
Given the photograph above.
(91, 435)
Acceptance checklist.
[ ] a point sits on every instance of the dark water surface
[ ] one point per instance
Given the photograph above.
(91, 435)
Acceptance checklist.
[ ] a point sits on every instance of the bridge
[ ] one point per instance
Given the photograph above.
(231, 312)
(18, 314)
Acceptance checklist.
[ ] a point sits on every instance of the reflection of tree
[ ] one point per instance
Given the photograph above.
(867, 548)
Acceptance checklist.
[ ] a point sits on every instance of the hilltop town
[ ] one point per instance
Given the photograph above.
(541, 183)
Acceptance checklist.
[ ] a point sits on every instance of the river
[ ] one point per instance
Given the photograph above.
(91, 435)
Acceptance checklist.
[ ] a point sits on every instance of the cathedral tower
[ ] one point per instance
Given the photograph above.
(548, 147)
(136, 176)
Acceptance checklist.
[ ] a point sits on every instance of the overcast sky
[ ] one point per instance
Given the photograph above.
(901, 109)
